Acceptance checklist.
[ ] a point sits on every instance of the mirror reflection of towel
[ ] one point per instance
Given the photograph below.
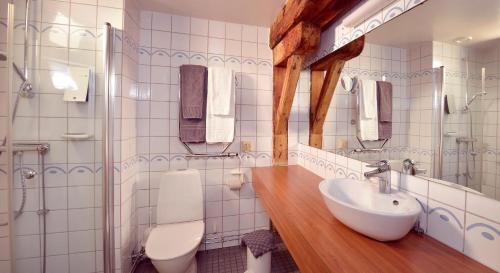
(384, 103)
(367, 110)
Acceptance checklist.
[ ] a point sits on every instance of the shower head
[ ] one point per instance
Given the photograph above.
(3, 57)
(477, 95)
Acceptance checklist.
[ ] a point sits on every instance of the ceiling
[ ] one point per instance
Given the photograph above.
(251, 12)
(444, 21)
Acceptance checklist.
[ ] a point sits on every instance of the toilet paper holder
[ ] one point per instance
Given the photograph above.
(236, 183)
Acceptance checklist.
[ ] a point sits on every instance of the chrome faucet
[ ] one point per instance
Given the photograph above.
(383, 173)
(410, 167)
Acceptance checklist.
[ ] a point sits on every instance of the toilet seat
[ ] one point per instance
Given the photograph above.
(170, 241)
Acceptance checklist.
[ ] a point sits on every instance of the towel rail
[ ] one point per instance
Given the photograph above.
(223, 153)
(353, 122)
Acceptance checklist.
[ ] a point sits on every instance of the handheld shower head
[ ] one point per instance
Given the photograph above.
(477, 95)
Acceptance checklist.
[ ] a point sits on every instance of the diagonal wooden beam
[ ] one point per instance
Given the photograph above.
(285, 84)
(303, 39)
(294, 65)
(323, 86)
(317, 79)
(323, 102)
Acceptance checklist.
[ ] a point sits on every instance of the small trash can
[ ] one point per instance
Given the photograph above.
(258, 265)
(259, 245)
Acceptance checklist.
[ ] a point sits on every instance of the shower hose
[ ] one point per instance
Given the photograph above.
(20, 211)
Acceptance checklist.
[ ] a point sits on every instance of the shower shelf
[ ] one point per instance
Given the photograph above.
(76, 136)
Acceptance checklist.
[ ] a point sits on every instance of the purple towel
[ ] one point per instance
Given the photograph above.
(259, 242)
(193, 85)
(384, 104)
(193, 104)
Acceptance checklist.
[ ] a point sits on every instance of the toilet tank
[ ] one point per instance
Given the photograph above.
(180, 198)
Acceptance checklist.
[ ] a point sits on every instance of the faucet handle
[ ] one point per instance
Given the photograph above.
(381, 163)
(409, 162)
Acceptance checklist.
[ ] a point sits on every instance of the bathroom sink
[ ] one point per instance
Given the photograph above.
(360, 206)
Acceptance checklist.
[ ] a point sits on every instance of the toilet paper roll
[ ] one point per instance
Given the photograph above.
(234, 183)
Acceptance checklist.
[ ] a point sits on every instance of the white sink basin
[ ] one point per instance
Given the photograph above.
(360, 206)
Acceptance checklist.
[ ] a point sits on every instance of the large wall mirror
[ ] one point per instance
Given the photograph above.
(442, 60)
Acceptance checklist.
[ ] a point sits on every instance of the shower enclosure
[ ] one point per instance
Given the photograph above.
(56, 156)
(461, 137)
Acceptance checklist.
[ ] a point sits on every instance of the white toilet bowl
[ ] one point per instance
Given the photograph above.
(173, 243)
(172, 247)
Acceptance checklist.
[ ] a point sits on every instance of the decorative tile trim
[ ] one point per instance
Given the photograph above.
(444, 217)
(485, 234)
(342, 37)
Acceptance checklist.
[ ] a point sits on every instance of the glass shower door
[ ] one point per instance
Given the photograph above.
(458, 136)
(53, 161)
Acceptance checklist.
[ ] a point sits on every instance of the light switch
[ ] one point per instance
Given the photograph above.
(246, 146)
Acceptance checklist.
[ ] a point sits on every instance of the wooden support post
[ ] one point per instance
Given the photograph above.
(285, 83)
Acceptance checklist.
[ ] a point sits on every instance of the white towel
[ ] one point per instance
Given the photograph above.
(367, 112)
(221, 81)
(220, 105)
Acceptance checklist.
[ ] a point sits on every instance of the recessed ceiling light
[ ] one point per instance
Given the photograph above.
(461, 40)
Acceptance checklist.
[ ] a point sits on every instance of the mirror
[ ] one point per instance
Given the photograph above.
(444, 68)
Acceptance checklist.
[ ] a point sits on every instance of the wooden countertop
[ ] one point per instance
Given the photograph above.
(320, 243)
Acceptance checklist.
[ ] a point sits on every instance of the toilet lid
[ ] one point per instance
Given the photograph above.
(171, 241)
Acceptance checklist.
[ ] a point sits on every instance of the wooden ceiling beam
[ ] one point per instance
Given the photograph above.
(333, 11)
(303, 39)
(294, 12)
(319, 12)
(323, 86)
(347, 52)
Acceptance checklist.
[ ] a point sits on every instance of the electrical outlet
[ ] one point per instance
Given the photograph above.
(246, 146)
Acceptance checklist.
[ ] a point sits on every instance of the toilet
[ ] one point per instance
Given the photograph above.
(172, 244)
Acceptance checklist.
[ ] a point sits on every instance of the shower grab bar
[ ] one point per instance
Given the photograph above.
(27, 147)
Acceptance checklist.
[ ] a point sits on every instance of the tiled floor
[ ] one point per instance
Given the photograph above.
(232, 260)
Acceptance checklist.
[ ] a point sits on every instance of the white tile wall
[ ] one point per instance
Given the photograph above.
(167, 42)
